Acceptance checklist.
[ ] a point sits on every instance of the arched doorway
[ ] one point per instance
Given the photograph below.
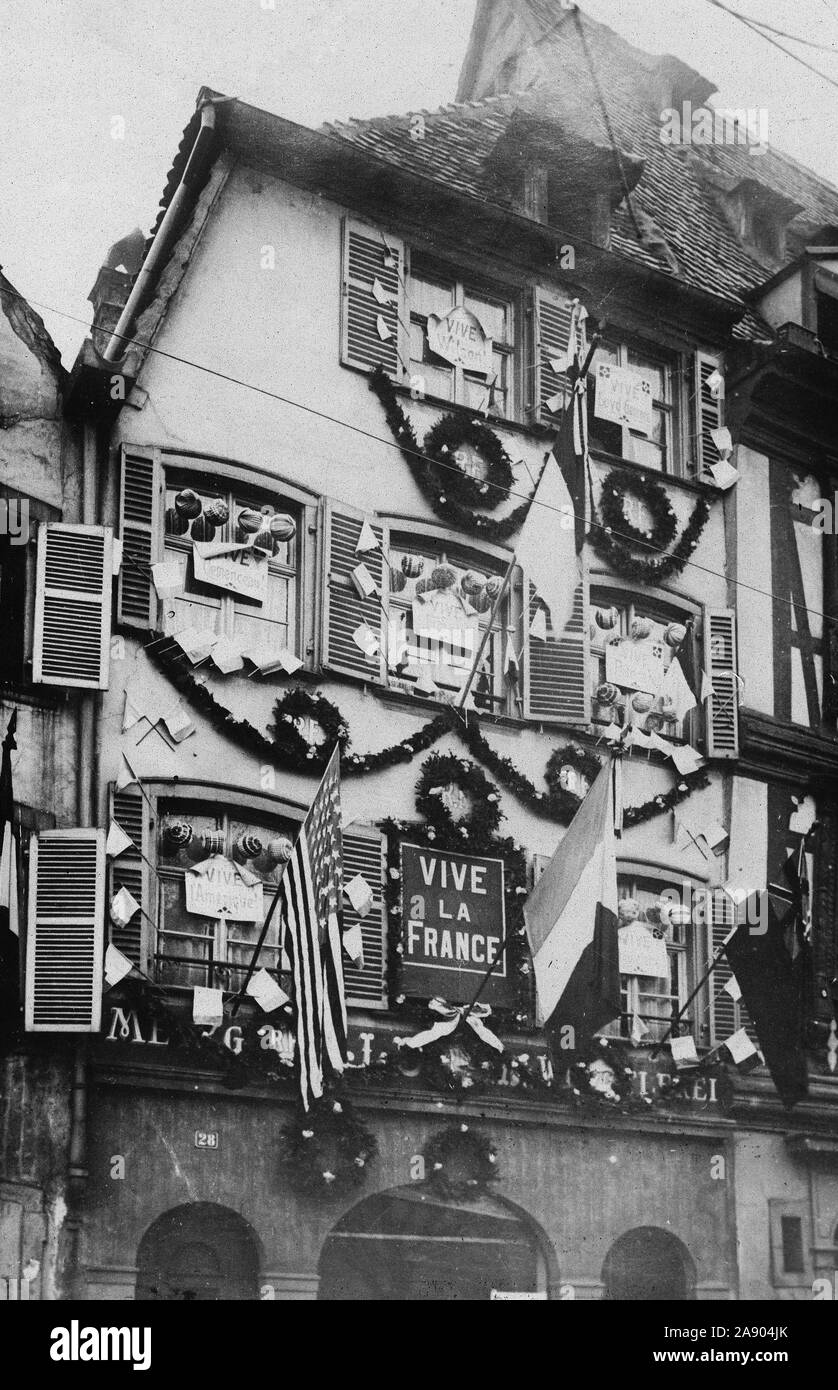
(649, 1264)
(197, 1253)
(410, 1245)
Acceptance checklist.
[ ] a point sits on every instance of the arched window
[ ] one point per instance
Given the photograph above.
(197, 1253)
(648, 1265)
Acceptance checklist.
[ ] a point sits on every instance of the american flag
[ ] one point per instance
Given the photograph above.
(312, 888)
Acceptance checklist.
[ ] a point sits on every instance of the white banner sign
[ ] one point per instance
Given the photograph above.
(440, 616)
(635, 665)
(241, 572)
(624, 396)
(641, 953)
(459, 338)
(219, 892)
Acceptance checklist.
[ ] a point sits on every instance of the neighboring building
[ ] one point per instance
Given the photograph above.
(42, 482)
(448, 249)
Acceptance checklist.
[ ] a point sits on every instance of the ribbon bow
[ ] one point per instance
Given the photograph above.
(451, 1017)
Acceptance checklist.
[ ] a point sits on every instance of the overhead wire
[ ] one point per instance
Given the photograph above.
(784, 600)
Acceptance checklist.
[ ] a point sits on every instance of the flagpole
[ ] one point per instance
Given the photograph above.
(717, 955)
(271, 910)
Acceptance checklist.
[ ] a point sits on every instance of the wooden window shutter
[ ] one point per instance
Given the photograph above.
(369, 255)
(722, 708)
(726, 1014)
(65, 936)
(551, 332)
(556, 682)
(709, 414)
(73, 606)
(364, 854)
(128, 809)
(343, 608)
(140, 527)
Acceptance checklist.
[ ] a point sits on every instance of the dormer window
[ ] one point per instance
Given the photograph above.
(826, 308)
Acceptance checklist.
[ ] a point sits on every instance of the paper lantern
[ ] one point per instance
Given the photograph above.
(493, 586)
(177, 834)
(176, 525)
(628, 910)
(282, 526)
(264, 541)
(424, 586)
(607, 618)
(443, 577)
(653, 723)
(279, 850)
(398, 581)
(641, 703)
(249, 521)
(675, 634)
(217, 512)
(188, 503)
(412, 566)
(247, 847)
(212, 842)
(202, 529)
(481, 602)
(472, 582)
(640, 628)
(607, 694)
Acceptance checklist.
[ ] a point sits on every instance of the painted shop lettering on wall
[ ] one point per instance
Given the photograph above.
(452, 924)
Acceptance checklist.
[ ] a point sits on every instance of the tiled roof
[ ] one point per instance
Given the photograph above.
(459, 140)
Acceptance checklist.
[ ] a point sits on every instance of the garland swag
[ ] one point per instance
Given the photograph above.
(612, 536)
(556, 804)
(450, 491)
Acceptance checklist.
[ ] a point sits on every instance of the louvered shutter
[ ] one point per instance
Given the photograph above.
(709, 414)
(556, 671)
(364, 854)
(140, 528)
(726, 1014)
(551, 332)
(64, 947)
(722, 708)
(343, 608)
(128, 871)
(73, 606)
(369, 255)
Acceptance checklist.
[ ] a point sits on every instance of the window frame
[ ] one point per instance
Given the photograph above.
(422, 535)
(465, 285)
(223, 475)
(233, 805)
(673, 365)
(782, 1278)
(604, 592)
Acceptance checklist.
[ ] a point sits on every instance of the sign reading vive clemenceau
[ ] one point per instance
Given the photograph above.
(453, 925)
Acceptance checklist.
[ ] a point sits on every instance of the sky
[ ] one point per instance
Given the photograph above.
(97, 92)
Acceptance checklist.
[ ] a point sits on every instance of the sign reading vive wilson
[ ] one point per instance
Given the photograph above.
(453, 925)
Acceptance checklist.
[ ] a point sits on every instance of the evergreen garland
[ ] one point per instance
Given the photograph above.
(608, 535)
(326, 1150)
(437, 476)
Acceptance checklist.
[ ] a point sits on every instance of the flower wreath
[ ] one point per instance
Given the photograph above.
(460, 1148)
(442, 442)
(289, 742)
(582, 1073)
(327, 1150)
(438, 771)
(446, 486)
(609, 535)
(581, 760)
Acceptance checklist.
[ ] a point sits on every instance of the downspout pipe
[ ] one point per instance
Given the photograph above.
(167, 233)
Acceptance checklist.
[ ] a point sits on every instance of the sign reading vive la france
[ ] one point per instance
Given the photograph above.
(452, 925)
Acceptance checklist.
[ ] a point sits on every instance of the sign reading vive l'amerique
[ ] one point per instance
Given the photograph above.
(452, 925)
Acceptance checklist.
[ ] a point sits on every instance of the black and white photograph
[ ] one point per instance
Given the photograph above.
(419, 668)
